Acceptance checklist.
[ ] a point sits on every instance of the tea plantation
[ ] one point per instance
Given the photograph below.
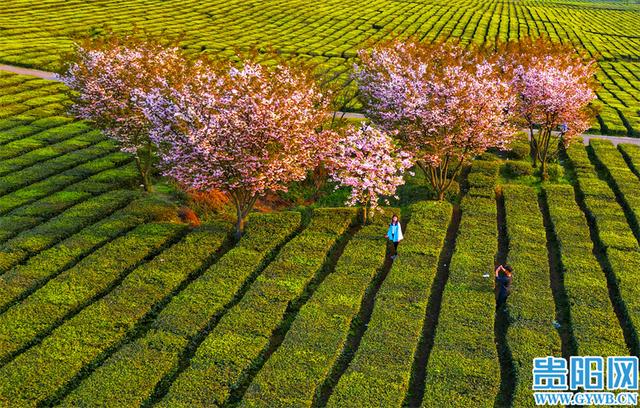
(108, 298)
(329, 33)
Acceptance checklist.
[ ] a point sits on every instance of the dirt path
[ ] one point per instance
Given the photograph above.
(348, 115)
(27, 71)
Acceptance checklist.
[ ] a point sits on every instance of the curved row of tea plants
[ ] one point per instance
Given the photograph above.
(189, 316)
(100, 325)
(531, 304)
(463, 367)
(382, 366)
(613, 236)
(592, 317)
(242, 338)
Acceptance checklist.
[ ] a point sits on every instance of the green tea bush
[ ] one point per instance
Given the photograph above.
(318, 334)
(481, 180)
(593, 320)
(19, 128)
(95, 177)
(44, 369)
(24, 177)
(42, 139)
(554, 171)
(158, 352)
(623, 181)
(531, 305)
(327, 37)
(631, 154)
(73, 289)
(380, 371)
(463, 367)
(52, 154)
(519, 149)
(518, 168)
(74, 219)
(613, 234)
(238, 341)
(27, 276)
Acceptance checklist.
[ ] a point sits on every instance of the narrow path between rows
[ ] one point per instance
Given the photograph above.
(347, 115)
(291, 313)
(563, 310)
(358, 327)
(501, 321)
(415, 393)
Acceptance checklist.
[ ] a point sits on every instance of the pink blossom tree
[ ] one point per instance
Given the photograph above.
(105, 76)
(554, 88)
(241, 130)
(447, 104)
(368, 161)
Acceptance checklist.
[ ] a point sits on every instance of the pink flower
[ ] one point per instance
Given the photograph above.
(368, 161)
(554, 88)
(107, 78)
(446, 104)
(242, 130)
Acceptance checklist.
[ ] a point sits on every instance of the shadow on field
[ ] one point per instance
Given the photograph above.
(415, 392)
(501, 321)
(599, 250)
(358, 327)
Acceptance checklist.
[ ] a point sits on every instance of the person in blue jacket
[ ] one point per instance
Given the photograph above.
(504, 276)
(394, 234)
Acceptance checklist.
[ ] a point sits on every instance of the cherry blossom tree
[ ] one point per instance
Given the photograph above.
(446, 103)
(554, 87)
(106, 76)
(368, 161)
(242, 130)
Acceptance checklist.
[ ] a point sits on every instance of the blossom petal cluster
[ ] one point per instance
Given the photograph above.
(240, 128)
(554, 90)
(367, 160)
(443, 100)
(106, 79)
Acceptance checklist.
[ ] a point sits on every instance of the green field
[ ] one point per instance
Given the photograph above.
(107, 299)
(329, 33)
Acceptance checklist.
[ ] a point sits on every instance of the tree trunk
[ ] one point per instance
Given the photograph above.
(543, 151)
(543, 171)
(240, 223)
(319, 179)
(533, 150)
(146, 182)
(147, 168)
(244, 203)
(365, 215)
(144, 169)
(438, 176)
